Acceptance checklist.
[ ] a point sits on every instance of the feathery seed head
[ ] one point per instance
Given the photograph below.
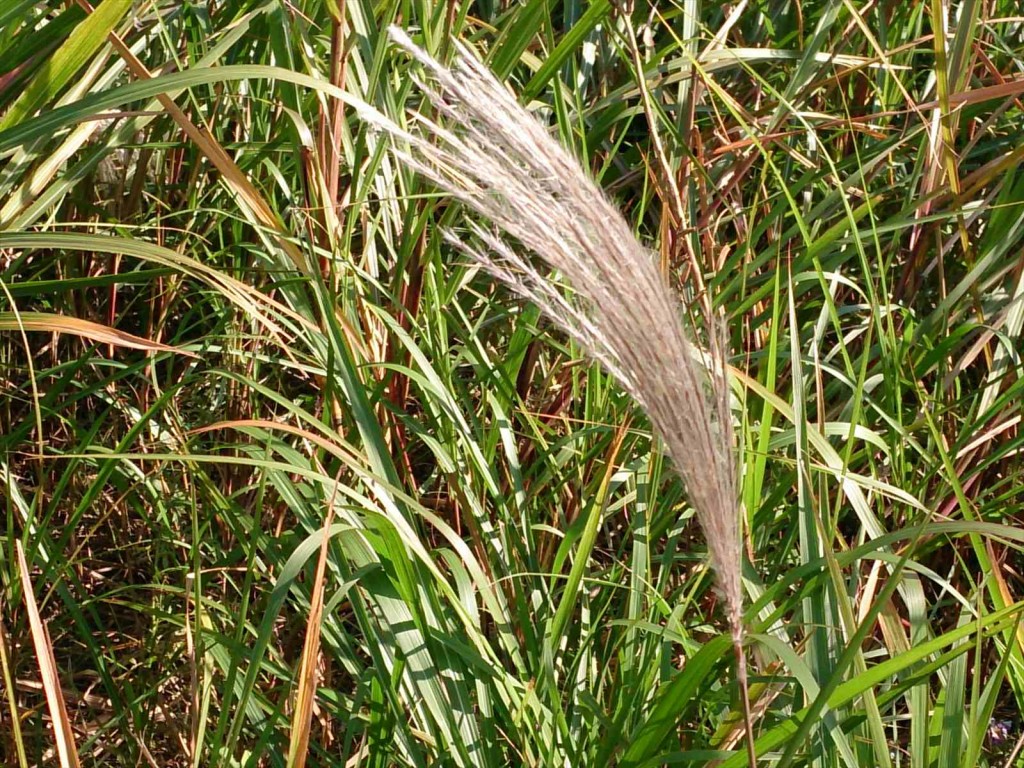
(499, 161)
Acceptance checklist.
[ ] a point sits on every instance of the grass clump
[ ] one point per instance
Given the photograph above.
(290, 479)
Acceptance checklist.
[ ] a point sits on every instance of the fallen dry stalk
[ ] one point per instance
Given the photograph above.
(498, 160)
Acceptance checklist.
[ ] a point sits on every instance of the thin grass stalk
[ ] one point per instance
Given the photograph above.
(500, 162)
(12, 699)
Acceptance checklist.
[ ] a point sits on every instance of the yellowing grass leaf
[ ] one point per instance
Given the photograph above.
(67, 60)
(104, 334)
(62, 732)
(302, 716)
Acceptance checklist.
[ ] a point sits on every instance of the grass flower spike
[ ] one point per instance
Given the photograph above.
(497, 159)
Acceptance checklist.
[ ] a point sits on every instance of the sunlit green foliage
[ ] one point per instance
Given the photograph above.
(844, 181)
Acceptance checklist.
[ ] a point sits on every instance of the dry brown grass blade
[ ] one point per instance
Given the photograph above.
(104, 334)
(1008, 90)
(62, 731)
(302, 717)
(330, 446)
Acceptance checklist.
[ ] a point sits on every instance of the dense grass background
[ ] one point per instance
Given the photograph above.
(228, 319)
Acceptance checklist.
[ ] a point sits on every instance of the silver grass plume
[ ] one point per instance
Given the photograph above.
(500, 162)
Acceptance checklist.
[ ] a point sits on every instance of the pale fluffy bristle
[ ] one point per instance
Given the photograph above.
(502, 163)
